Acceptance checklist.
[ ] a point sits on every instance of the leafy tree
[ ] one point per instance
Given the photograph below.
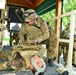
(68, 6)
(48, 15)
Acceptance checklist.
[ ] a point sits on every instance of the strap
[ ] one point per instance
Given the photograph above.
(37, 26)
(27, 61)
(38, 23)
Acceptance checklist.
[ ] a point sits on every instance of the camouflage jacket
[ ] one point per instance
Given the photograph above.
(38, 31)
(65, 33)
(52, 37)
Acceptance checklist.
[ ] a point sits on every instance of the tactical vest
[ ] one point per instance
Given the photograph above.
(33, 31)
(26, 52)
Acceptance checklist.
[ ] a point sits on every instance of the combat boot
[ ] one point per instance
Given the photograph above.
(51, 62)
(65, 73)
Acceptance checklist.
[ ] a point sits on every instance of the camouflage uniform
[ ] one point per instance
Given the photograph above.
(37, 32)
(40, 33)
(51, 44)
(65, 46)
(32, 32)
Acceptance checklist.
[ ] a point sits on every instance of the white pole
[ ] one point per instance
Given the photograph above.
(61, 16)
(64, 40)
(70, 52)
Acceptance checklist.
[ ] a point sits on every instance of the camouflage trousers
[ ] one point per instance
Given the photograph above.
(11, 65)
(51, 46)
(65, 47)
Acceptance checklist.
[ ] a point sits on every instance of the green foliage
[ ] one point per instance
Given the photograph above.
(48, 15)
(68, 6)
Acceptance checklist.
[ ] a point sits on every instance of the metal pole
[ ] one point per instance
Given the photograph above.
(64, 15)
(63, 40)
(70, 52)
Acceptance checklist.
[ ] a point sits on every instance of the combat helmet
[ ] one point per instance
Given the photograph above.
(28, 12)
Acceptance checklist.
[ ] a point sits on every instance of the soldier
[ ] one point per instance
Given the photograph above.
(32, 34)
(51, 45)
(33, 31)
(65, 46)
(36, 29)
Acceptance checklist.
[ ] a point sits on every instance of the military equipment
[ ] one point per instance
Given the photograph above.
(23, 52)
(34, 33)
(51, 44)
(27, 13)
